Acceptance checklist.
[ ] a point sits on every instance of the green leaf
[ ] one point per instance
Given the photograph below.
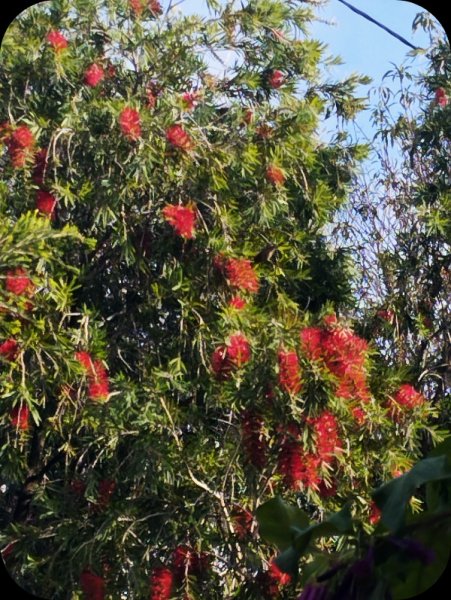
(278, 522)
(392, 497)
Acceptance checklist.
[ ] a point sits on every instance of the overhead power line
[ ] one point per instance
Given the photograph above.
(366, 16)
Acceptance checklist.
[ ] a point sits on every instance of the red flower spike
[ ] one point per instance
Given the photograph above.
(18, 282)
(441, 97)
(238, 350)
(86, 360)
(8, 550)
(254, 443)
(94, 74)
(237, 302)
(327, 491)
(275, 175)
(190, 100)
(93, 586)
(386, 315)
(276, 79)
(289, 372)
(290, 464)
(161, 583)
(40, 166)
(408, 396)
(46, 203)
(155, 7)
(311, 342)
(9, 349)
(359, 415)
(241, 274)
(179, 138)
(186, 562)
(277, 575)
(181, 218)
(325, 427)
(375, 514)
(22, 137)
(57, 40)
(130, 123)
(20, 417)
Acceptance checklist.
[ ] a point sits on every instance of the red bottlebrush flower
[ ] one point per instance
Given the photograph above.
(179, 138)
(190, 100)
(237, 302)
(311, 342)
(326, 433)
(22, 137)
(46, 203)
(359, 415)
(276, 79)
(40, 166)
(137, 6)
(220, 364)
(181, 218)
(86, 360)
(161, 582)
(408, 396)
(441, 97)
(130, 123)
(57, 40)
(386, 315)
(242, 521)
(20, 417)
(155, 7)
(275, 175)
(277, 575)
(290, 464)
(220, 263)
(238, 350)
(93, 586)
(18, 282)
(310, 477)
(289, 372)
(375, 514)
(94, 74)
(9, 349)
(99, 390)
(253, 439)
(241, 274)
(106, 490)
(330, 321)
(186, 562)
(8, 550)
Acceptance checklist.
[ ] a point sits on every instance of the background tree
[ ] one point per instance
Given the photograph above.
(171, 353)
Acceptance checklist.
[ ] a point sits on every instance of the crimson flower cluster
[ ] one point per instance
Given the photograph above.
(190, 100)
(130, 123)
(239, 272)
(94, 74)
(98, 382)
(57, 40)
(92, 585)
(276, 79)
(275, 175)
(231, 356)
(186, 562)
(271, 580)
(20, 417)
(242, 520)
(179, 138)
(289, 372)
(20, 143)
(441, 97)
(161, 583)
(254, 442)
(181, 218)
(407, 398)
(9, 349)
(138, 6)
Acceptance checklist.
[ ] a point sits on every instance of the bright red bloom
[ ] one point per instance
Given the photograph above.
(331, 320)
(408, 396)
(179, 138)
(40, 166)
(325, 427)
(23, 137)
(220, 364)
(238, 350)
(18, 282)
(311, 342)
(9, 349)
(46, 203)
(289, 371)
(242, 521)
(130, 123)
(277, 575)
(99, 385)
(276, 79)
(93, 586)
(20, 144)
(397, 473)
(161, 582)
(359, 415)
(290, 464)
(99, 390)
(375, 513)
(182, 219)
(186, 562)
(441, 97)
(86, 360)
(94, 74)
(275, 175)
(155, 7)
(254, 442)
(386, 315)
(57, 40)
(20, 417)
(237, 302)
(190, 100)
(241, 274)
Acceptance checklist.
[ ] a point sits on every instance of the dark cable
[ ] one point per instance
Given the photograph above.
(363, 14)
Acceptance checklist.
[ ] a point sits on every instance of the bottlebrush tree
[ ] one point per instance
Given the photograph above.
(175, 344)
